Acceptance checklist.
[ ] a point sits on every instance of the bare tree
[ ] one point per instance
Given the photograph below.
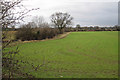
(38, 21)
(61, 20)
(77, 27)
(10, 16)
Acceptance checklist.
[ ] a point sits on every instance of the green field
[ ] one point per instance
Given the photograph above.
(79, 55)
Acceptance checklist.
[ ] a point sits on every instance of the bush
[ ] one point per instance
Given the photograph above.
(28, 33)
(46, 32)
(25, 33)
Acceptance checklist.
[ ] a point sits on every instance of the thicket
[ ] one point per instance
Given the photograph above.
(26, 32)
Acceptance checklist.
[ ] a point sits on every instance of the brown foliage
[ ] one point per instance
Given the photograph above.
(26, 32)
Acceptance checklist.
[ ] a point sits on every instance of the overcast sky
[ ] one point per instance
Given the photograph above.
(85, 12)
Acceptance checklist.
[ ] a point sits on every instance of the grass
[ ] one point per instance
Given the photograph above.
(79, 55)
(10, 35)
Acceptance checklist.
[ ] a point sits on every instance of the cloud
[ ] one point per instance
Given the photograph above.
(102, 13)
(85, 13)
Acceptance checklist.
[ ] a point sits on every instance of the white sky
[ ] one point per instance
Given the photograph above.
(85, 12)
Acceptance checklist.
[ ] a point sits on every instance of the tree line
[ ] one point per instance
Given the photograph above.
(38, 29)
(95, 28)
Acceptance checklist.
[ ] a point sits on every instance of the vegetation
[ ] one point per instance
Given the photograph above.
(80, 54)
(77, 27)
(96, 28)
(26, 32)
(61, 20)
(10, 65)
(91, 55)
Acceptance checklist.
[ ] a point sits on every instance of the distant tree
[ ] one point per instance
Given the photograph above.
(117, 28)
(61, 20)
(96, 28)
(39, 22)
(85, 28)
(77, 27)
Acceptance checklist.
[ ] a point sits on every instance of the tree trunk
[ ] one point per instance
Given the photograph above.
(61, 31)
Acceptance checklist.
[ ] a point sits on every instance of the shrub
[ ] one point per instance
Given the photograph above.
(46, 32)
(25, 33)
(28, 33)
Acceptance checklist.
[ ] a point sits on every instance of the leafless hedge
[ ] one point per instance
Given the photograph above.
(26, 32)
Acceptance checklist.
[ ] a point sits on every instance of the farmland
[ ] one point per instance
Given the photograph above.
(79, 55)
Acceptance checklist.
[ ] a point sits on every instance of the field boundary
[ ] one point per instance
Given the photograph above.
(60, 36)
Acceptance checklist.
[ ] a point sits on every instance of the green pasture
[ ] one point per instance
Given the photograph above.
(79, 55)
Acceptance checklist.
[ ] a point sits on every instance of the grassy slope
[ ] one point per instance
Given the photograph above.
(80, 54)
